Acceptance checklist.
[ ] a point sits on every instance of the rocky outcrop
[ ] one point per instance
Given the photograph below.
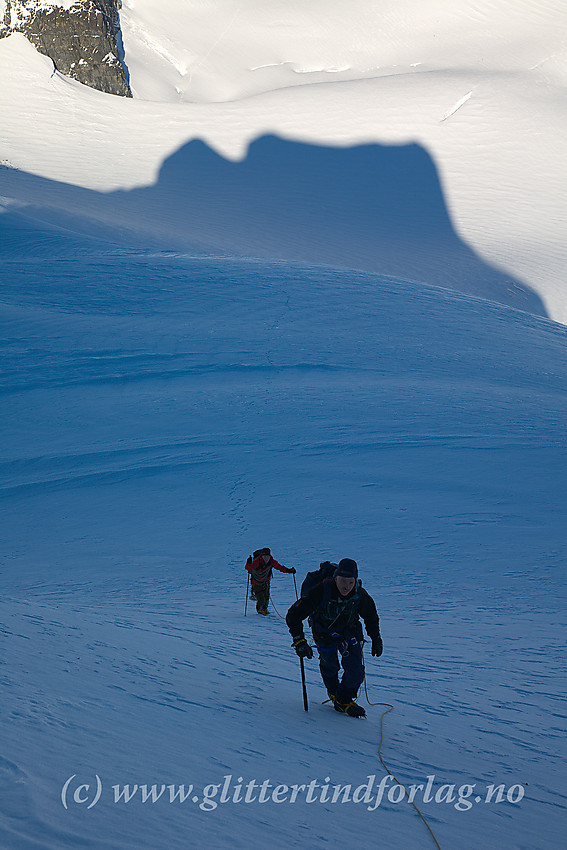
(81, 38)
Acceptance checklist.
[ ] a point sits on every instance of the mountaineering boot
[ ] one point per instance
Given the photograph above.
(263, 611)
(350, 708)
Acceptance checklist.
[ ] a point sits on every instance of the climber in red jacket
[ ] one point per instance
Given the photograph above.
(260, 565)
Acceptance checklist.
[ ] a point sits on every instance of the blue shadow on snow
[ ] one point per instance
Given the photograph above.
(371, 207)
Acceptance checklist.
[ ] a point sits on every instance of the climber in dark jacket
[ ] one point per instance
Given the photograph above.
(334, 607)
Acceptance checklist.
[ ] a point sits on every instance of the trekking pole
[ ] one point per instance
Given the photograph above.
(246, 603)
(301, 664)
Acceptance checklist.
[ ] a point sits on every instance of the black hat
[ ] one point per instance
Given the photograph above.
(347, 568)
(264, 551)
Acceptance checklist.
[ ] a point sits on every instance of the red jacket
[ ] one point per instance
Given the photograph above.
(261, 573)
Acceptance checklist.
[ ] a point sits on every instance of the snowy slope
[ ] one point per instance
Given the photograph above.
(479, 85)
(228, 49)
(206, 349)
(162, 417)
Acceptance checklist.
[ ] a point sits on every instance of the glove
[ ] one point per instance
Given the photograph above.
(302, 647)
(377, 646)
(293, 571)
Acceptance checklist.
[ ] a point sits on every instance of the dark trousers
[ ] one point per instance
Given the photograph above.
(261, 593)
(346, 689)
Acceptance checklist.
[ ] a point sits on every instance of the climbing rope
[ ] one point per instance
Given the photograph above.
(385, 766)
(272, 601)
(276, 610)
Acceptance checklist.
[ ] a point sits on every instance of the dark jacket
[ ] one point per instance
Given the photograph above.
(334, 617)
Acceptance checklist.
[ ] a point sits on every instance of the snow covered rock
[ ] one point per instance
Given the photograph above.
(81, 37)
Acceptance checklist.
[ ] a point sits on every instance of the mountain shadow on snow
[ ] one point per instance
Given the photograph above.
(371, 207)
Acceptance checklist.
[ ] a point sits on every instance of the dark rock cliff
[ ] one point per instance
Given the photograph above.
(83, 41)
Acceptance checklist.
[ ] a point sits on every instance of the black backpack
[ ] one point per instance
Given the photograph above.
(326, 570)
